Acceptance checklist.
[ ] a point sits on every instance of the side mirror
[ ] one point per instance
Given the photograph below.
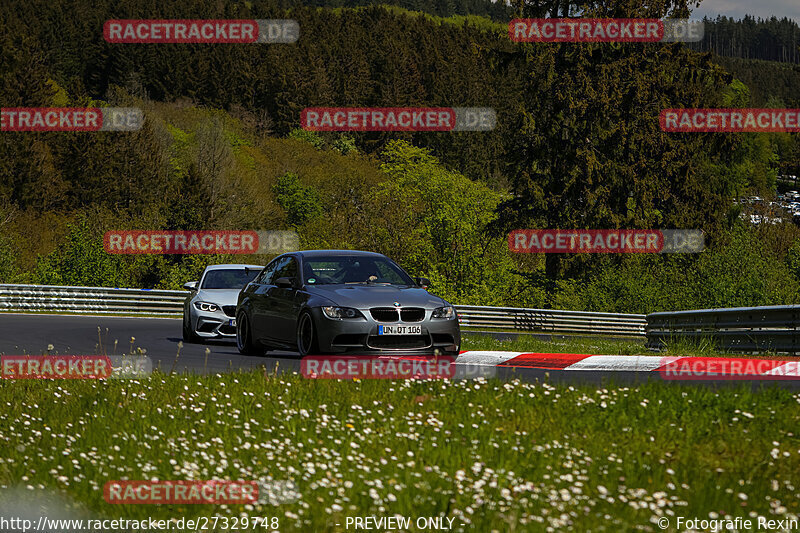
(284, 283)
(423, 282)
(190, 286)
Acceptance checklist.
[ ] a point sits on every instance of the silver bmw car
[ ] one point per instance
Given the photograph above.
(209, 311)
(336, 301)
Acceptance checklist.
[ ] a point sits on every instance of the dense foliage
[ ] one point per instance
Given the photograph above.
(577, 145)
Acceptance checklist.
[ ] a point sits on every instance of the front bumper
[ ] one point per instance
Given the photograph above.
(219, 324)
(360, 335)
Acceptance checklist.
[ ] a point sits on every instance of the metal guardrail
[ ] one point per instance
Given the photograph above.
(91, 300)
(550, 321)
(104, 300)
(744, 329)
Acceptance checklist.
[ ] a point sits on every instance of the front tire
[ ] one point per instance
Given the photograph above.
(307, 340)
(244, 337)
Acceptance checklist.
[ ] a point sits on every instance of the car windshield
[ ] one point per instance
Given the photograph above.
(353, 269)
(229, 278)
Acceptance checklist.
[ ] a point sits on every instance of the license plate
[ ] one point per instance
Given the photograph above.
(399, 330)
(232, 322)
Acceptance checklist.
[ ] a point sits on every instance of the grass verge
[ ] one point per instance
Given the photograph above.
(594, 346)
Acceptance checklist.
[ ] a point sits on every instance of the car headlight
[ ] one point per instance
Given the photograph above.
(341, 312)
(206, 306)
(444, 312)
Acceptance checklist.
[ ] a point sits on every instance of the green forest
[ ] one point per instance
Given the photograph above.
(577, 145)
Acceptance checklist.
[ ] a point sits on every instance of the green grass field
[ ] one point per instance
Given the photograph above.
(494, 456)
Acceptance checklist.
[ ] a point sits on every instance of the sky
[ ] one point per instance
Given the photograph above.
(739, 8)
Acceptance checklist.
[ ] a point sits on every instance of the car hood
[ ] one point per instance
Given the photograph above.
(366, 296)
(218, 296)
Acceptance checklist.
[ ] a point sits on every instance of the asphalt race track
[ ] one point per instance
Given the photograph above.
(78, 335)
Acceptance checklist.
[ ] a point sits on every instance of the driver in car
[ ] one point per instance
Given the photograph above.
(358, 273)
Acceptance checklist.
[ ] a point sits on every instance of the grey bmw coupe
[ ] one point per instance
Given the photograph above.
(337, 301)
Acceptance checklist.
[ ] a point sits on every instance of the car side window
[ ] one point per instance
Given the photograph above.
(266, 275)
(287, 269)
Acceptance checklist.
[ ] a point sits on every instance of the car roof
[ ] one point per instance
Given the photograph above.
(232, 266)
(311, 254)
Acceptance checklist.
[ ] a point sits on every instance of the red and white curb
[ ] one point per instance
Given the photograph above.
(677, 366)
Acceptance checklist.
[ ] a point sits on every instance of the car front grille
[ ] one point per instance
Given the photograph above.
(229, 310)
(390, 314)
(412, 314)
(384, 314)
